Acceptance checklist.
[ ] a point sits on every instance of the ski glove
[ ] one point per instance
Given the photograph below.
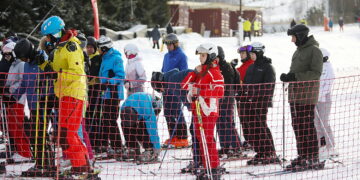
(8, 98)
(51, 74)
(40, 57)
(287, 77)
(234, 63)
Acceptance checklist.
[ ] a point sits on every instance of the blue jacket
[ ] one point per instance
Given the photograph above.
(112, 61)
(173, 80)
(142, 103)
(29, 84)
(174, 59)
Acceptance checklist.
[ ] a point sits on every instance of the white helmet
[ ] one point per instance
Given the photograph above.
(105, 43)
(258, 47)
(209, 49)
(325, 52)
(9, 47)
(131, 49)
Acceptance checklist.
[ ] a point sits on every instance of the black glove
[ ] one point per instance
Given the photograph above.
(39, 58)
(234, 63)
(51, 74)
(8, 99)
(287, 77)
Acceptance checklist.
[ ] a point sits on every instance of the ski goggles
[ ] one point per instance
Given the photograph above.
(247, 48)
(7, 54)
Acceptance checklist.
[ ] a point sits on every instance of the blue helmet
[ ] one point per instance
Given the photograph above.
(52, 25)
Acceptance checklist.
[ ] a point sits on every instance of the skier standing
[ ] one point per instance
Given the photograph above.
(175, 58)
(112, 76)
(70, 89)
(170, 81)
(257, 92)
(15, 107)
(135, 71)
(323, 108)
(93, 123)
(155, 35)
(39, 99)
(306, 66)
(225, 126)
(207, 87)
(247, 29)
(246, 60)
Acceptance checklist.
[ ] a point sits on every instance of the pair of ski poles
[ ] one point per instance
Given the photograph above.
(44, 119)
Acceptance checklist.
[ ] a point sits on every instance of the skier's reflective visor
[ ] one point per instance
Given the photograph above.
(247, 48)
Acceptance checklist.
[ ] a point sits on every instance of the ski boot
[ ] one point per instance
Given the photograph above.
(2, 167)
(113, 154)
(129, 154)
(264, 159)
(215, 173)
(190, 168)
(39, 172)
(148, 156)
(305, 163)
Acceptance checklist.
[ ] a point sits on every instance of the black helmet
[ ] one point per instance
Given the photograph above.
(157, 79)
(24, 49)
(300, 31)
(92, 42)
(171, 39)
(221, 53)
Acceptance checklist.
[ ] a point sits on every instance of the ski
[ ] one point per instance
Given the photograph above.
(235, 158)
(145, 163)
(93, 176)
(282, 172)
(171, 147)
(182, 159)
(150, 172)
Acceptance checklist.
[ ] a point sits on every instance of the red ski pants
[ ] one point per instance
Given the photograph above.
(70, 119)
(209, 123)
(15, 115)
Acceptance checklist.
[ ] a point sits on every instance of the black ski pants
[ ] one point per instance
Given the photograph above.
(302, 116)
(253, 117)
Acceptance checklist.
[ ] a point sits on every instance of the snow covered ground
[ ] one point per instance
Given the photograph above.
(345, 56)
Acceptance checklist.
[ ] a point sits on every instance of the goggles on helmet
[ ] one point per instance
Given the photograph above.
(247, 48)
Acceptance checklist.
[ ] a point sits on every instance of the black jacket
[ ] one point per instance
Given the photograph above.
(95, 62)
(231, 77)
(259, 82)
(4, 68)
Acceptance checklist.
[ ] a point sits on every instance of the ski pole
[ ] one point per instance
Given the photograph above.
(283, 90)
(42, 20)
(172, 135)
(322, 124)
(45, 121)
(37, 115)
(3, 119)
(203, 139)
(7, 129)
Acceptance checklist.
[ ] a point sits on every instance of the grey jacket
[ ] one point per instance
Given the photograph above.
(15, 77)
(135, 74)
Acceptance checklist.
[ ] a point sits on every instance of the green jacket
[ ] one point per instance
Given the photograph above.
(307, 65)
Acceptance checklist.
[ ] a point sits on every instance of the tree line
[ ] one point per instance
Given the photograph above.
(23, 15)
